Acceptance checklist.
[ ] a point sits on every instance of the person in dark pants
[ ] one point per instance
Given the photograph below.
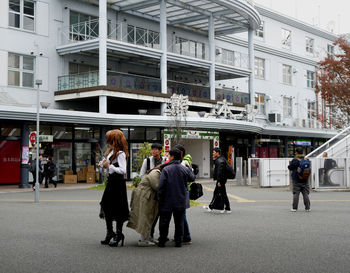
(33, 170)
(220, 176)
(299, 185)
(49, 172)
(172, 197)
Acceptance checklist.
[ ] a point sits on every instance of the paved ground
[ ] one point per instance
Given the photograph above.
(62, 234)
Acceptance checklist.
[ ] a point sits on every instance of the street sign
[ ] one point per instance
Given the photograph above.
(46, 138)
(32, 137)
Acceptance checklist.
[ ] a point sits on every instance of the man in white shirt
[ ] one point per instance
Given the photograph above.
(154, 160)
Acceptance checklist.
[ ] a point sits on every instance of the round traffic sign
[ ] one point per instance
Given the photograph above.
(32, 137)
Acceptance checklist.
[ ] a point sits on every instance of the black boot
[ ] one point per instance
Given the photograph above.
(119, 237)
(109, 236)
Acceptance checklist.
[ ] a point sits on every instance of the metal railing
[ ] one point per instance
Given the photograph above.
(149, 84)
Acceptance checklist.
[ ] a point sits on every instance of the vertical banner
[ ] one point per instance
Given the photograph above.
(167, 143)
(25, 155)
(230, 154)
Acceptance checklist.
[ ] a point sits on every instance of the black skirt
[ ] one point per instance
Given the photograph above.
(115, 200)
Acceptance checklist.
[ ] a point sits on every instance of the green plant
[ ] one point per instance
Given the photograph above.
(136, 181)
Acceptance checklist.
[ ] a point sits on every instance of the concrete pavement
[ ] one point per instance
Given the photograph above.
(62, 234)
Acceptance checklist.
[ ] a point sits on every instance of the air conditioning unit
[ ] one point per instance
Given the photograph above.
(275, 118)
(218, 51)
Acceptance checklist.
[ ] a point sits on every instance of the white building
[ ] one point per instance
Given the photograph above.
(102, 63)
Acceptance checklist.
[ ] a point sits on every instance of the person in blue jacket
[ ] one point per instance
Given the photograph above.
(172, 197)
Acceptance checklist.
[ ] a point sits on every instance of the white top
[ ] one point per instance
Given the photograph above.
(121, 159)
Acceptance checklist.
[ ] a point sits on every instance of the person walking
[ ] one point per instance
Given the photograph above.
(144, 206)
(33, 170)
(114, 203)
(172, 197)
(154, 160)
(49, 172)
(300, 168)
(220, 176)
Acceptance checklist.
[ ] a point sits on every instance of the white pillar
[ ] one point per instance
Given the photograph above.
(163, 47)
(102, 53)
(251, 65)
(211, 34)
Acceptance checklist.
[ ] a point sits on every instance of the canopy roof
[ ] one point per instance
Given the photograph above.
(230, 16)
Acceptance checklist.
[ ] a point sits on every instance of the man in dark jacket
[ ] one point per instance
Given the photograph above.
(172, 197)
(299, 185)
(220, 176)
(49, 171)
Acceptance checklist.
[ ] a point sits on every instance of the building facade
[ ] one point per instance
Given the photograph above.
(248, 72)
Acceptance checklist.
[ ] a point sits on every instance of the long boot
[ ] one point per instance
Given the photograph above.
(110, 234)
(119, 237)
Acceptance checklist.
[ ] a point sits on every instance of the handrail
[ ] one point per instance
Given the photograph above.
(321, 149)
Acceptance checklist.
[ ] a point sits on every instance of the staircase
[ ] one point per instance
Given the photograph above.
(337, 146)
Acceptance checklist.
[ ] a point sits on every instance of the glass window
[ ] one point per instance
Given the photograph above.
(131, 34)
(82, 26)
(330, 49)
(152, 134)
(62, 132)
(260, 31)
(286, 38)
(311, 113)
(287, 74)
(287, 107)
(10, 131)
(310, 81)
(259, 71)
(260, 102)
(22, 14)
(309, 45)
(190, 48)
(82, 155)
(83, 132)
(137, 133)
(228, 57)
(20, 70)
(141, 36)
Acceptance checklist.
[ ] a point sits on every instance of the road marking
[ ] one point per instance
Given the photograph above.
(237, 198)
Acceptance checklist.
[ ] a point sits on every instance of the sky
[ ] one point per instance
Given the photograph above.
(329, 15)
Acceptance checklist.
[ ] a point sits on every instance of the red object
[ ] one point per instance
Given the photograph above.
(10, 158)
(32, 137)
(167, 142)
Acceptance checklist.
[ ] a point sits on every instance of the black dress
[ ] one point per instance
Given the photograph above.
(114, 200)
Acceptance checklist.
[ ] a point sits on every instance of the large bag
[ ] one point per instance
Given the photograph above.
(217, 202)
(196, 191)
(304, 169)
(230, 172)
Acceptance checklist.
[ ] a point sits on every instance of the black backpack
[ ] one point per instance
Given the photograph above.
(230, 172)
(196, 191)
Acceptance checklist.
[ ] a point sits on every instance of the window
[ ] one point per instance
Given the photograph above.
(190, 48)
(311, 113)
(260, 102)
(82, 26)
(259, 68)
(330, 49)
(310, 79)
(20, 70)
(260, 31)
(287, 74)
(309, 45)
(286, 38)
(22, 14)
(75, 68)
(287, 107)
(228, 57)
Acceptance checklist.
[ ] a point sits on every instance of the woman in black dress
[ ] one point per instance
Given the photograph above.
(114, 201)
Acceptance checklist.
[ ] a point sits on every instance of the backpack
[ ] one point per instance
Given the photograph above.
(196, 191)
(230, 172)
(304, 169)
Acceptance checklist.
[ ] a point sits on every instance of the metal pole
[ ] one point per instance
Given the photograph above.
(251, 65)
(212, 57)
(38, 83)
(103, 53)
(163, 47)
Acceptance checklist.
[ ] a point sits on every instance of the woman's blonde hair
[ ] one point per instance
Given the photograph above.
(117, 142)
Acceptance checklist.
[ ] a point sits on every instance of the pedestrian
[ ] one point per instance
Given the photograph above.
(144, 206)
(186, 160)
(33, 170)
(114, 203)
(154, 160)
(49, 172)
(300, 168)
(329, 164)
(220, 176)
(172, 197)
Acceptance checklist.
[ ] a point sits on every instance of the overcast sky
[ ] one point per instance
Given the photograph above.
(327, 14)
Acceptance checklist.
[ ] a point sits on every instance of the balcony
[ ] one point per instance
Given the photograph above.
(152, 85)
(125, 33)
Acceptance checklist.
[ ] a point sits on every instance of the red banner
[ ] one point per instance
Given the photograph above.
(10, 158)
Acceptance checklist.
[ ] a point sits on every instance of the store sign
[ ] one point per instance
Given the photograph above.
(25, 155)
(261, 140)
(45, 138)
(302, 142)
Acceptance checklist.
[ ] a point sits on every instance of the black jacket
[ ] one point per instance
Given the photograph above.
(293, 166)
(220, 173)
(173, 186)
